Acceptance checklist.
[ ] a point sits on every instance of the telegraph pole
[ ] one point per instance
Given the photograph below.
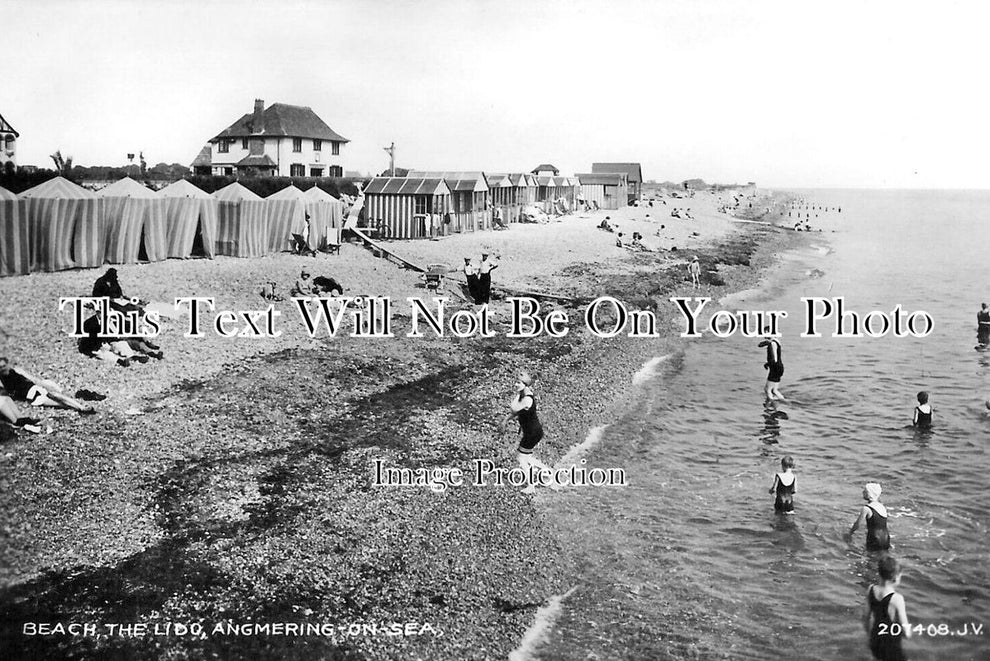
(391, 157)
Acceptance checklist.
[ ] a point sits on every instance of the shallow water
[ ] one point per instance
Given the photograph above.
(693, 543)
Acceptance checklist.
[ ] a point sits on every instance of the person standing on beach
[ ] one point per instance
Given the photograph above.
(694, 268)
(522, 407)
(471, 273)
(774, 365)
(485, 277)
(874, 514)
(783, 484)
(886, 614)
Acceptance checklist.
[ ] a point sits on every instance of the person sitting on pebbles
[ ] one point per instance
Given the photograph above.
(36, 391)
(303, 286)
(10, 414)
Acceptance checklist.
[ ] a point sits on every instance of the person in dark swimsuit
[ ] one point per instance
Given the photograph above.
(35, 390)
(886, 615)
(874, 515)
(774, 365)
(523, 408)
(783, 484)
(922, 412)
(983, 325)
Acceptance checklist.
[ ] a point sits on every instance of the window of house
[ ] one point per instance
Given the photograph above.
(336, 148)
(227, 172)
(297, 144)
(244, 143)
(317, 145)
(297, 170)
(316, 172)
(223, 147)
(336, 171)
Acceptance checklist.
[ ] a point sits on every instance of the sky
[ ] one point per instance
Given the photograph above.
(787, 94)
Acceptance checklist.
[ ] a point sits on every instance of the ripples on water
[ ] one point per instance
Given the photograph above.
(702, 449)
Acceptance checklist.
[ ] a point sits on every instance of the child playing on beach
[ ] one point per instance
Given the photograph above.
(922, 412)
(874, 514)
(522, 407)
(694, 268)
(783, 484)
(886, 615)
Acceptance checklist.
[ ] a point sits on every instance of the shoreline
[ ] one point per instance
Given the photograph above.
(283, 478)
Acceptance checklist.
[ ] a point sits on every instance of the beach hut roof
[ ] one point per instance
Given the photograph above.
(545, 181)
(318, 194)
(235, 192)
(498, 180)
(290, 192)
(204, 157)
(633, 171)
(407, 186)
(59, 187)
(127, 187)
(456, 181)
(545, 167)
(605, 179)
(282, 119)
(183, 188)
(6, 195)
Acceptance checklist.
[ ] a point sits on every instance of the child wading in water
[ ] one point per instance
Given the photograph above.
(774, 366)
(923, 411)
(874, 514)
(886, 616)
(783, 484)
(522, 406)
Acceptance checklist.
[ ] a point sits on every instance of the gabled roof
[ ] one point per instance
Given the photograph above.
(6, 195)
(234, 192)
(127, 187)
(281, 119)
(498, 180)
(290, 192)
(5, 126)
(318, 194)
(632, 170)
(545, 167)
(456, 181)
(60, 188)
(520, 179)
(183, 188)
(257, 161)
(204, 157)
(545, 180)
(406, 186)
(607, 179)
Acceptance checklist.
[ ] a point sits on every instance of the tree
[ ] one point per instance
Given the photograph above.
(63, 165)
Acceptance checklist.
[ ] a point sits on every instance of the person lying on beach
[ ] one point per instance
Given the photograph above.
(783, 484)
(119, 350)
(10, 414)
(323, 285)
(874, 515)
(922, 412)
(36, 391)
(522, 407)
(885, 618)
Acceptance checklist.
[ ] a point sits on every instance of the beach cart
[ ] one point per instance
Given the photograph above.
(434, 276)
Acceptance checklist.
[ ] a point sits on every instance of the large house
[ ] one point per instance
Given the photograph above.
(282, 140)
(8, 146)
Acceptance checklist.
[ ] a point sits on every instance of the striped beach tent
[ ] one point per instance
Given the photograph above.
(67, 227)
(282, 226)
(330, 207)
(242, 222)
(135, 217)
(321, 212)
(15, 246)
(190, 221)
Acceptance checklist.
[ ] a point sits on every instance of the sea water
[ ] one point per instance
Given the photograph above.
(690, 558)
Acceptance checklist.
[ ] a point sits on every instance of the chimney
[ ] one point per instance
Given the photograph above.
(258, 121)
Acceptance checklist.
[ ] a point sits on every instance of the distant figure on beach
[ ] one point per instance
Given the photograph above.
(488, 264)
(774, 365)
(522, 407)
(886, 615)
(783, 484)
(983, 325)
(471, 273)
(922, 412)
(36, 391)
(694, 268)
(497, 218)
(874, 514)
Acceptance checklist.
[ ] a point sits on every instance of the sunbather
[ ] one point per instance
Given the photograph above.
(37, 391)
(11, 414)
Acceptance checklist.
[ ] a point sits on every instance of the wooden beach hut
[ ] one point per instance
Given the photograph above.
(402, 204)
(242, 222)
(468, 198)
(502, 195)
(15, 242)
(633, 172)
(608, 190)
(190, 221)
(66, 226)
(135, 218)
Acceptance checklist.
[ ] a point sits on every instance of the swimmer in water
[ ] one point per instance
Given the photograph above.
(922, 412)
(886, 615)
(783, 484)
(874, 514)
(983, 325)
(774, 365)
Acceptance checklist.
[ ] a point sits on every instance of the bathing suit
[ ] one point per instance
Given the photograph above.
(877, 537)
(785, 495)
(776, 367)
(924, 419)
(20, 387)
(532, 430)
(885, 645)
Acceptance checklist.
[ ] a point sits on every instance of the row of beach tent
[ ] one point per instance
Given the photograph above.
(59, 225)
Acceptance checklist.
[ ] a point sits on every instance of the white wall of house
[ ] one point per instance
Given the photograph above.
(8, 148)
(282, 151)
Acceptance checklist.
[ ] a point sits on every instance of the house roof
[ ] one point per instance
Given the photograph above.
(127, 187)
(5, 126)
(602, 179)
(545, 167)
(407, 186)
(257, 161)
(456, 181)
(204, 157)
(632, 170)
(281, 119)
(183, 188)
(60, 188)
(234, 192)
